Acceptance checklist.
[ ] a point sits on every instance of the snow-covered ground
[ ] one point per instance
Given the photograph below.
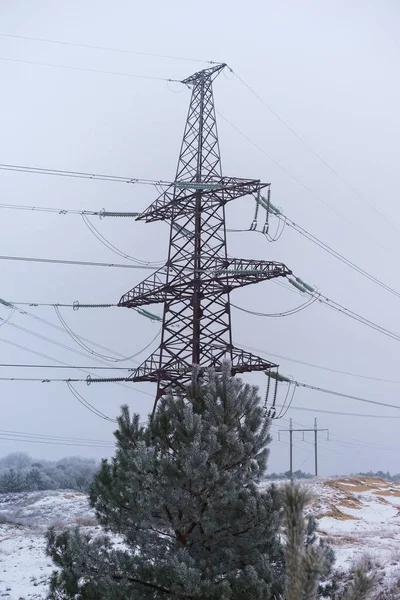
(357, 516)
(361, 516)
(24, 518)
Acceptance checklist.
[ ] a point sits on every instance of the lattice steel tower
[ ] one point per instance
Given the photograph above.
(195, 284)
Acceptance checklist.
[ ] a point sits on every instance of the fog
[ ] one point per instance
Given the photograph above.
(329, 70)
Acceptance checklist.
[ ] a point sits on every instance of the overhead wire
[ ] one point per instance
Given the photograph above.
(344, 395)
(83, 345)
(82, 263)
(103, 240)
(286, 313)
(54, 437)
(324, 368)
(51, 442)
(336, 254)
(83, 175)
(63, 366)
(88, 69)
(347, 312)
(49, 209)
(316, 154)
(107, 48)
(60, 328)
(88, 405)
(303, 185)
(66, 365)
(75, 350)
(340, 413)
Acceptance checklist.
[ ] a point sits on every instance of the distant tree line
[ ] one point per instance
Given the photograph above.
(21, 473)
(286, 475)
(380, 475)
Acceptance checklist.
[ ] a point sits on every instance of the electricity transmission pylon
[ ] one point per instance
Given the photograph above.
(195, 284)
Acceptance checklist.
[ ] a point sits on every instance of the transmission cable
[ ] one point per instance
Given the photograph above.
(286, 313)
(330, 369)
(95, 356)
(110, 246)
(340, 413)
(79, 341)
(83, 175)
(343, 395)
(66, 365)
(82, 263)
(306, 187)
(317, 155)
(60, 328)
(63, 366)
(51, 442)
(49, 209)
(107, 48)
(336, 254)
(87, 404)
(345, 311)
(88, 69)
(55, 437)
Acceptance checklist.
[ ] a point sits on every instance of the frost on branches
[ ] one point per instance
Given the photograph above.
(182, 494)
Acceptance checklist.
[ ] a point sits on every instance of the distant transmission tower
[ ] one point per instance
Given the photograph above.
(196, 282)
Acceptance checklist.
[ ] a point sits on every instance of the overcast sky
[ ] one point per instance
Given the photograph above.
(330, 70)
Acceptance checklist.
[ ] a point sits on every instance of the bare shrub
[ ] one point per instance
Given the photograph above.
(86, 521)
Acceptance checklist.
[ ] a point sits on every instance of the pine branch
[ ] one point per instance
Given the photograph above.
(363, 584)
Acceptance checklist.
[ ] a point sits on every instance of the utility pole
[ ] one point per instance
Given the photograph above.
(195, 284)
(315, 430)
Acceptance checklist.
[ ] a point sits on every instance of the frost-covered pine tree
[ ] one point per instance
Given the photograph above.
(181, 493)
(307, 562)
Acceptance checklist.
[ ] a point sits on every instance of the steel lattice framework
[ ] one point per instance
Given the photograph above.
(195, 284)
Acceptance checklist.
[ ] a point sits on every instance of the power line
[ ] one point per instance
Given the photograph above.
(65, 365)
(303, 185)
(75, 305)
(30, 366)
(75, 350)
(330, 369)
(343, 395)
(336, 254)
(88, 380)
(286, 313)
(317, 155)
(49, 209)
(318, 242)
(87, 404)
(49, 379)
(345, 311)
(107, 48)
(88, 69)
(105, 242)
(51, 443)
(51, 341)
(339, 413)
(55, 437)
(82, 263)
(82, 175)
(78, 340)
(60, 328)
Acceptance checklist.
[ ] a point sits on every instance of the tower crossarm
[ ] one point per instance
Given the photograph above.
(238, 272)
(223, 275)
(179, 198)
(176, 370)
(150, 291)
